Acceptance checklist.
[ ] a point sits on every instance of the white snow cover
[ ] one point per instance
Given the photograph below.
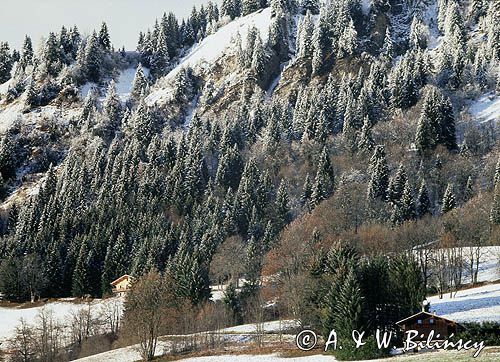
(9, 115)
(366, 6)
(126, 354)
(4, 87)
(123, 84)
(234, 334)
(267, 327)
(10, 317)
(486, 108)
(125, 80)
(213, 46)
(471, 305)
(85, 89)
(489, 265)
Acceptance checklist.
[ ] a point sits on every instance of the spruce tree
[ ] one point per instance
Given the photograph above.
(104, 38)
(436, 124)
(112, 110)
(26, 54)
(258, 58)
(347, 43)
(388, 47)
(320, 43)
(348, 308)
(5, 62)
(397, 185)
(282, 207)
(324, 181)
(250, 6)
(423, 202)
(379, 180)
(93, 59)
(366, 142)
(30, 96)
(139, 85)
(496, 178)
(160, 58)
(495, 207)
(449, 202)
(408, 209)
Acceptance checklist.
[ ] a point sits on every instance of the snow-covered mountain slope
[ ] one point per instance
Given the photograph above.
(214, 45)
(486, 108)
(204, 54)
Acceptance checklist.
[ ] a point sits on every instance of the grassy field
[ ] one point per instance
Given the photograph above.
(487, 355)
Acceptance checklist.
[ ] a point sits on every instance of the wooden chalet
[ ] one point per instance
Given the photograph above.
(424, 322)
(122, 284)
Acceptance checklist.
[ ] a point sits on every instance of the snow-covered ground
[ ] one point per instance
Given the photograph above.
(123, 84)
(4, 87)
(9, 115)
(62, 311)
(486, 108)
(127, 354)
(366, 6)
(489, 265)
(214, 46)
(471, 305)
(267, 327)
(476, 304)
(125, 80)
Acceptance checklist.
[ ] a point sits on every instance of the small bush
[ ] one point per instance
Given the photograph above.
(489, 332)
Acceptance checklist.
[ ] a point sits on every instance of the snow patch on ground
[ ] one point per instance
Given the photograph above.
(471, 305)
(486, 108)
(127, 354)
(267, 327)
(86, 88)
(366, 6)
(9, 115)
(489, 265)
(125, 80)
(191, 112)
(4, 87)
(10, 317)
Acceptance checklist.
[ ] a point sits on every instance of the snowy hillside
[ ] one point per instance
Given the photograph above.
(62, 311)
(486, 108)
(211, 48)
(470, 305)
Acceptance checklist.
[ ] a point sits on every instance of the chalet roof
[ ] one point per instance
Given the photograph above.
(426, 314)
(120, 279)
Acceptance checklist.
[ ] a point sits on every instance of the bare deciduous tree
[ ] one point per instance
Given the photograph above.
(148, 305)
